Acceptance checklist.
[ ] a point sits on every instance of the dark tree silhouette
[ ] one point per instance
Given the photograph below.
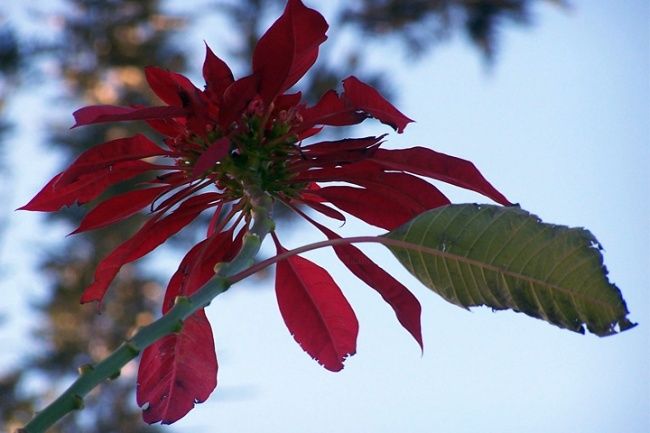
(420, 24)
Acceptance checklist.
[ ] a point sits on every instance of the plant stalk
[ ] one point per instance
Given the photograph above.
(90, 376)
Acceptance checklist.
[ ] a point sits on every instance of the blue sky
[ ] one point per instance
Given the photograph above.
(560, 124)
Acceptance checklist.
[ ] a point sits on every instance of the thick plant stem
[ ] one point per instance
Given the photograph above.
(91, 376)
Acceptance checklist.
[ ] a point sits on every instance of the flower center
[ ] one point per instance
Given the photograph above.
(259, 149)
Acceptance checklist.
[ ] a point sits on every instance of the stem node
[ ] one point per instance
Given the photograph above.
(178, 327)
(77, 402)
(132, 349)
(85, 369)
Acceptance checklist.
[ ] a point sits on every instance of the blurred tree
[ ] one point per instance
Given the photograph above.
(421, 24)
(10, 62)
(99, 57)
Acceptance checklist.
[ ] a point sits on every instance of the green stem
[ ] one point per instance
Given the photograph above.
(92, 376)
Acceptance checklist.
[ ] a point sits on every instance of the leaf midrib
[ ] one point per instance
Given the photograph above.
(401, 243)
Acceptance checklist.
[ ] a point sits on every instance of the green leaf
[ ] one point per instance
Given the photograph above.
(504, 257)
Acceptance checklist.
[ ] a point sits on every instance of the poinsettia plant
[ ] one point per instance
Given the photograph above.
(237, 147)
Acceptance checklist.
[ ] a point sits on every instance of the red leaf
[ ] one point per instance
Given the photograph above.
(288, 49)
(367, 99)
(236, 98)
(168, 127)
(111, 113)
(404, 304)
(343, 157)
(354, 173)
(334, 147)
(169, 86)
(177, 371)
(87, 187)
(319, 207)
(315, 311)
(402, 189)
(108, 153)
(118, 208)
(197, 267)
(214, 153)
(332, 110)
(287, 101)
(150, 236)
(178, 196)
(335, 153)
(306, 133)
(377, 206)
(436, 165)
(175, 178)
(315, 202)
(216, 73)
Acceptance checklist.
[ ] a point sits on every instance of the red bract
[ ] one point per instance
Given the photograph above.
(178, 371)
(315, 311)
(229, 138)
